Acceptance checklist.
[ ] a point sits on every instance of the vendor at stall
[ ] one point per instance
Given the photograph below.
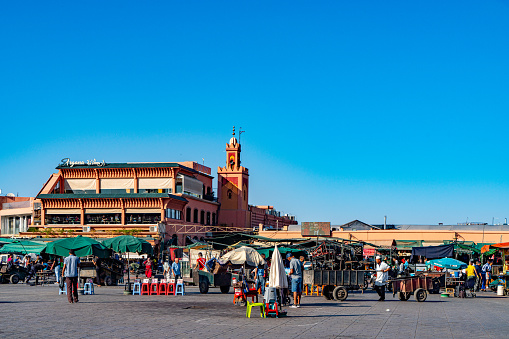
(382, 275)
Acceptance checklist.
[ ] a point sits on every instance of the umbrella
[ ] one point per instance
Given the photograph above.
(82, 247)
(277, 275)
(128, 243)
(23, 247)
(447, 263)
(244, 255)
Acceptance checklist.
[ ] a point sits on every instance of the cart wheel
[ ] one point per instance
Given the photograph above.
(404, 296)
(327, 292)
(14, 279)
(224, 289)
(204, 287)
(420, 294)
(108, 281)
(340, 293)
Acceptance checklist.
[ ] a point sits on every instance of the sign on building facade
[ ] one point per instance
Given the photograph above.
(309, 229)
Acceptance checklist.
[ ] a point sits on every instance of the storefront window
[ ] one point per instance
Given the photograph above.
(143, 218)
(110, 218)
(60, 219)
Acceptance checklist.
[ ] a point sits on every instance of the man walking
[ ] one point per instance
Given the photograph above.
(70, 271)
(175, 268)
(381, 277)
(486, 272)
(471, 276)
(296, 275)
(260, 276)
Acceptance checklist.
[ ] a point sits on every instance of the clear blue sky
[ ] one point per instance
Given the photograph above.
(352, 109)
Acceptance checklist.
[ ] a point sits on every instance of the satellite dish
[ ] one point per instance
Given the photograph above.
(11, 195)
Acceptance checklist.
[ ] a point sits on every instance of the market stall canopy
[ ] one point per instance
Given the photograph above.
(432, 252)
(128, 243)
(6, 241)
(244, 255)
(502, 245)
(282, 250)
(277, 274)
(23, 247)
(448, 263)
(82, 246)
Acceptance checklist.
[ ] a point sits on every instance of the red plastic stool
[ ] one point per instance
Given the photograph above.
(154, 287)
(145, 287)
(172, 286)
(271, 308)
(163, 288)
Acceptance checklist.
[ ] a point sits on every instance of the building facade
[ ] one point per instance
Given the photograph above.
(173, 200)
(92, 197)
(15, 215)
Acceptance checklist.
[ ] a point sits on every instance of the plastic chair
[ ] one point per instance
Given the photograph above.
(154, 287)
(251, 305)
(137, 288)
(88, 288)
(179, 289)
(272, 308)
(163, 287)
(145, 287)
(172, 286)
(64, 291)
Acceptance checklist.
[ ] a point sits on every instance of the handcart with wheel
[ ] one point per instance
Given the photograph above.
(418, 285)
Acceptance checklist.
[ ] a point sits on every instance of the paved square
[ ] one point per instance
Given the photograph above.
(32, 312)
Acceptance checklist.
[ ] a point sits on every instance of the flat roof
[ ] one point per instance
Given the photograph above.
(110, 196)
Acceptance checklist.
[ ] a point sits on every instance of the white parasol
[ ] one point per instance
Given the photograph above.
(277, 276)
(244, 255)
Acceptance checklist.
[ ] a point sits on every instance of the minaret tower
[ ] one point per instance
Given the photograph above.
(233, 186)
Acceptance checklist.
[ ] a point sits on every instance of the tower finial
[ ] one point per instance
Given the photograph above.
(233, 131)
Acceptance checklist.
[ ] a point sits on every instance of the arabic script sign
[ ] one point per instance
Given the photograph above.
(68, 163)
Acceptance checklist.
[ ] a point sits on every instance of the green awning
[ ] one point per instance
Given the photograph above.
(283, 250)
(82, 246)
(468, 249)
(128, 243)
(23, 247)
(6, 240)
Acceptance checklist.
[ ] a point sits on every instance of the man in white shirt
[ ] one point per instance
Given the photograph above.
(381, 277)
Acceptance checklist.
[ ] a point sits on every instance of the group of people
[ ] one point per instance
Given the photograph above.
(478, 276)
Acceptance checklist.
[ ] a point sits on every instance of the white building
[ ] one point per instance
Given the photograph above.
(15, 215)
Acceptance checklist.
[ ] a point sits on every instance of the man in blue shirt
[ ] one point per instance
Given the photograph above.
(261, 272)
(486, 272)
(296, 275)
(70, 271)
(175, 267)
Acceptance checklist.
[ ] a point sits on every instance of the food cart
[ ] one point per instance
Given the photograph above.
(418, 285)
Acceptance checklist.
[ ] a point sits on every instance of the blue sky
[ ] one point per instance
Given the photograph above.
(352, 110)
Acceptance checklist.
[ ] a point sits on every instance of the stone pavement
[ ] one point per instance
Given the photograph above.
(32, 312)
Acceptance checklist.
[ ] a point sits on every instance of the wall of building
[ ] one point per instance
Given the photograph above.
(15, 215)
(382, 237)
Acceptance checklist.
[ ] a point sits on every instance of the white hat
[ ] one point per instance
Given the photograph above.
(378, 257)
